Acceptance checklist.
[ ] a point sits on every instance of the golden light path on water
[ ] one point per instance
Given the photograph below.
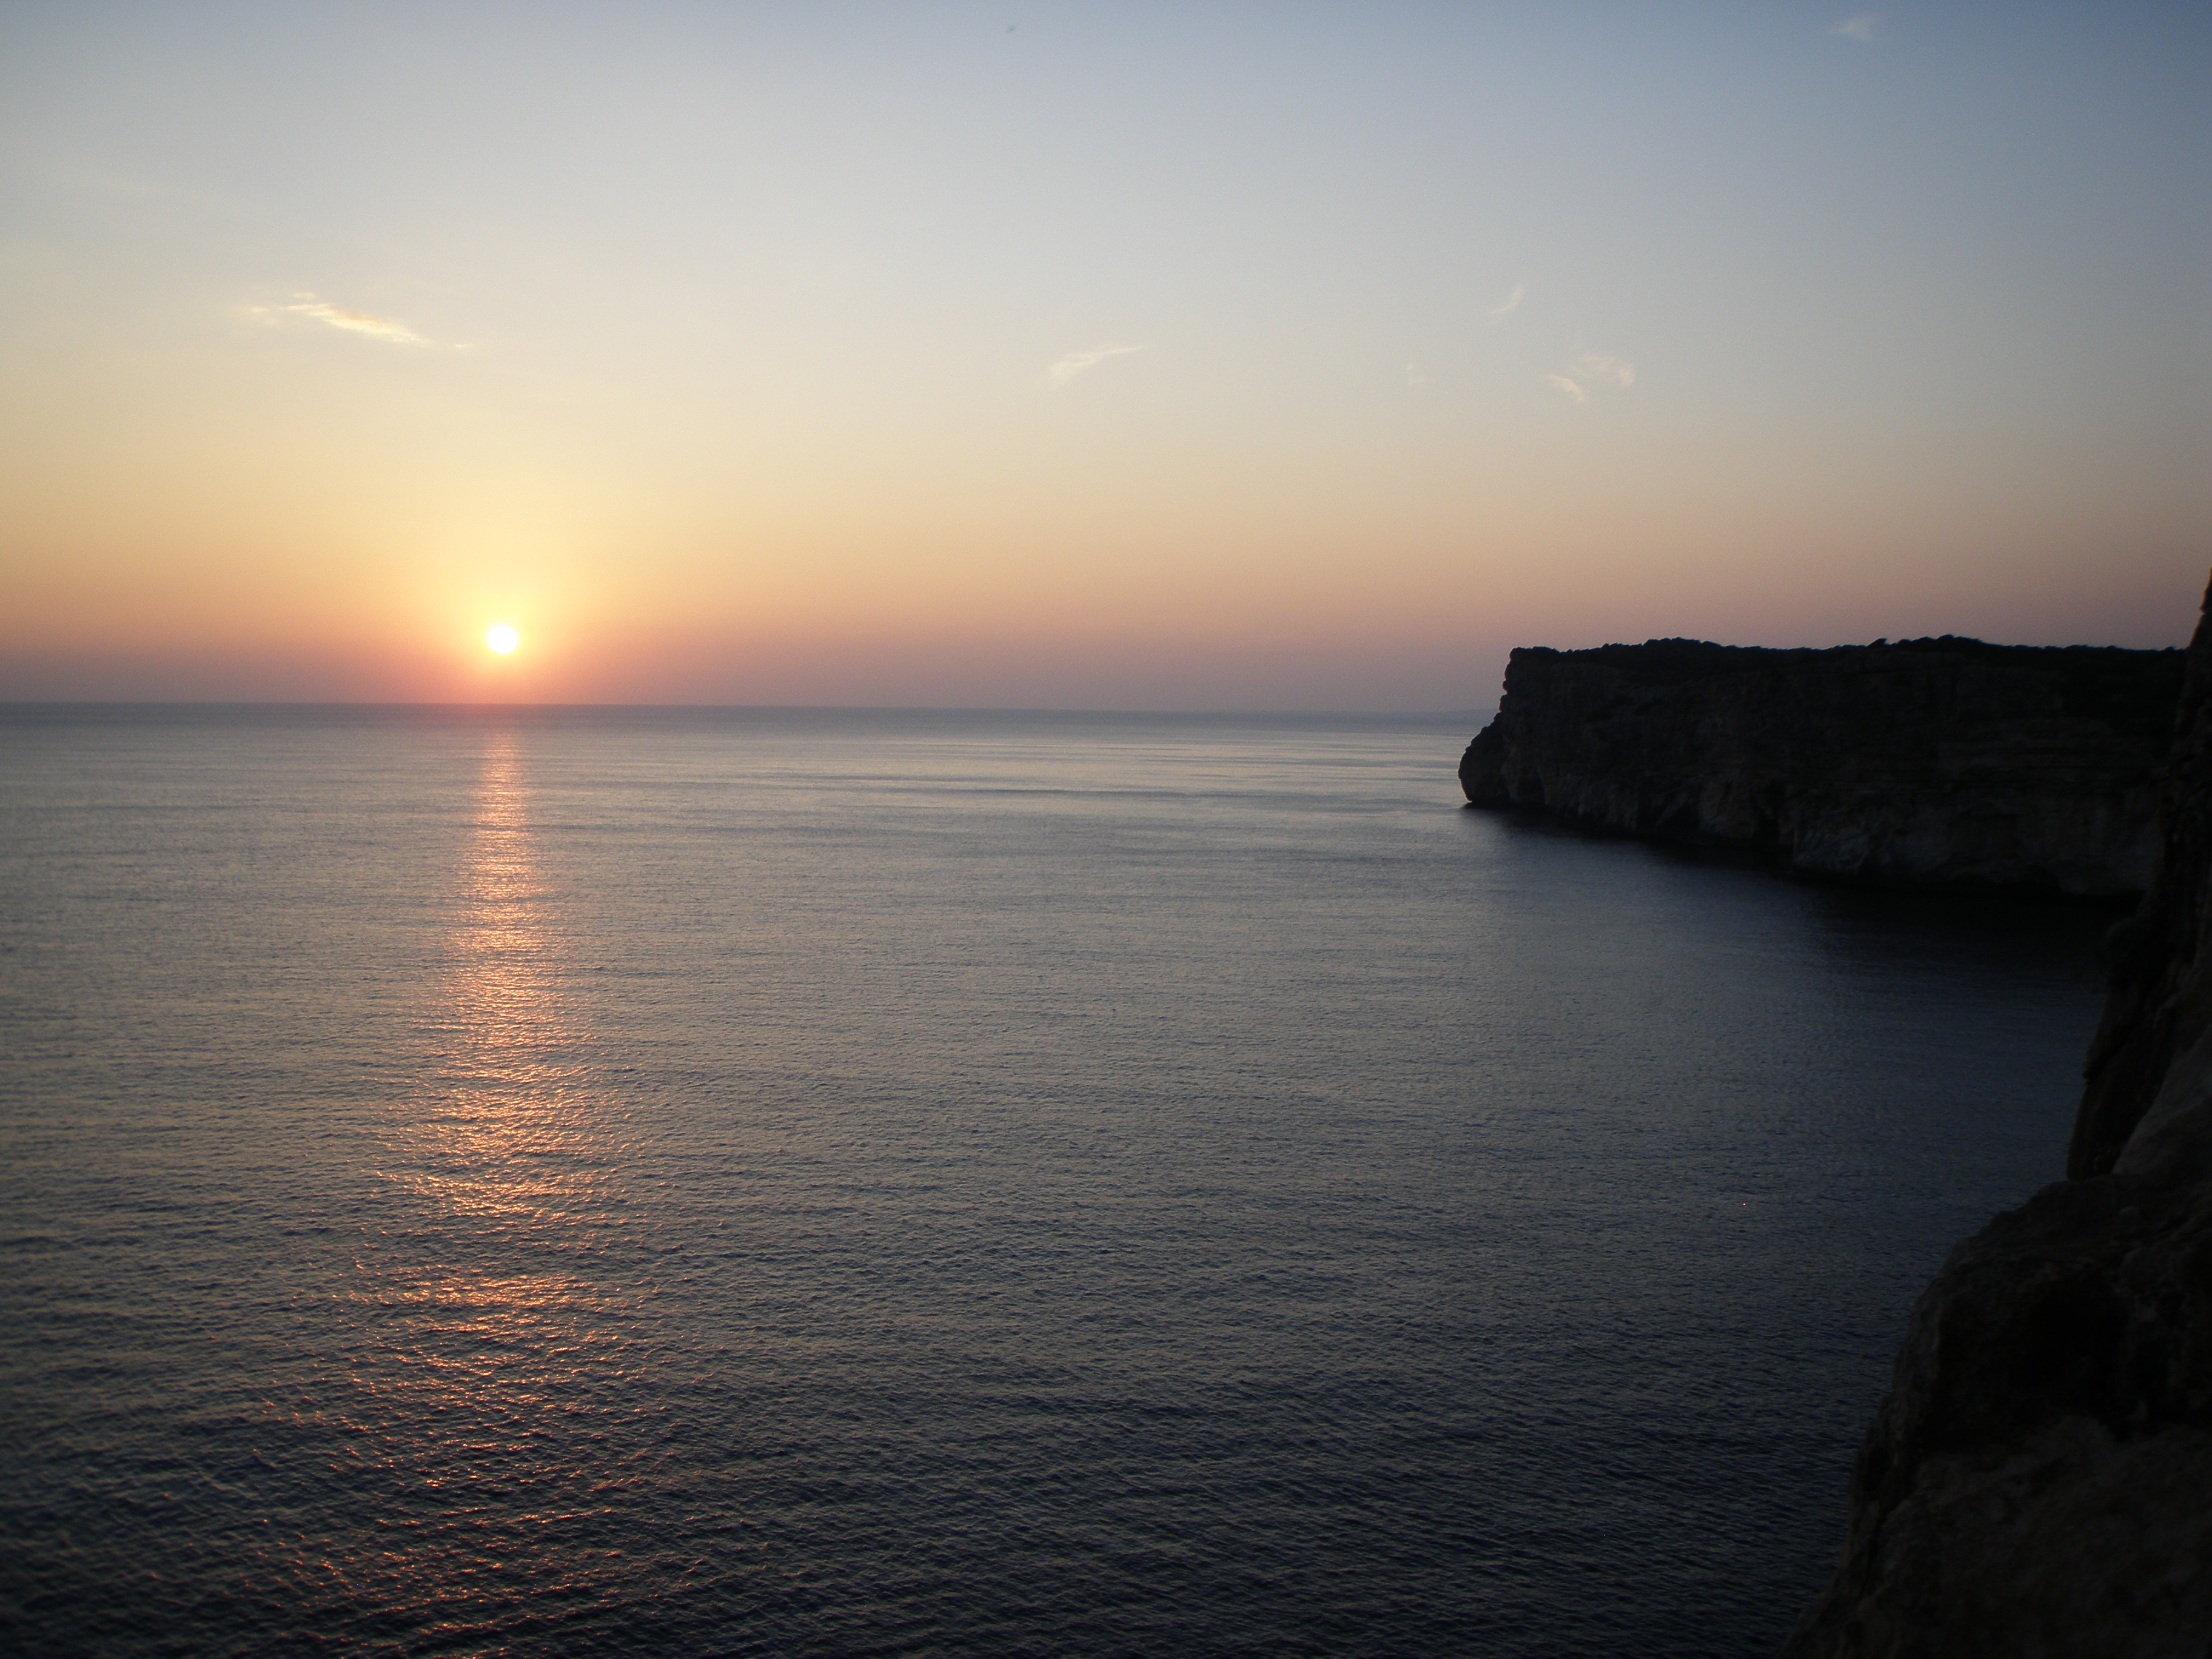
(512, 1310)
(515, 1109)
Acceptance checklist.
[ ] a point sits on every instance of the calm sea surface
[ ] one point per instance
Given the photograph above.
(773, 1182)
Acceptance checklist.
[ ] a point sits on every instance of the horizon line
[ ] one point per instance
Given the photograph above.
(15, 703)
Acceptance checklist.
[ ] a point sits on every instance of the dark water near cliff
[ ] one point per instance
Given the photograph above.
(633, 1183)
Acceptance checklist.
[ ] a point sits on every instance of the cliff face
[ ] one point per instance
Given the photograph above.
(2039, 1479)
(1934, 761)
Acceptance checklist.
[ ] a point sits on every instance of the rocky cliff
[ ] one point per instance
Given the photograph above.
(1930, 761)
(2039, 1479)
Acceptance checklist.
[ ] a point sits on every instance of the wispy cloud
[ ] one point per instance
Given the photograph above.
(1603, 366)
(353, 322)
(1498, 313)
(1860, 27)
(1413, 375)
(1076, 361)
(1593, 368)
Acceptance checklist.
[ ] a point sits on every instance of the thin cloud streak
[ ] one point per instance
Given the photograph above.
(1603, 366)
(1498, 313)
(353, 322)
(1860, 27)
(1076, 361)
(1570, 387)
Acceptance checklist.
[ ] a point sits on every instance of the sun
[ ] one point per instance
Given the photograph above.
(501, 637)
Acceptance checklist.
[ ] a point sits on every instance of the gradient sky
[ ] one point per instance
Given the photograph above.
(1122, 356)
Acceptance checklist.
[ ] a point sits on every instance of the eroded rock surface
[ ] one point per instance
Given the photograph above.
(1931, 761)
(2039, 1479)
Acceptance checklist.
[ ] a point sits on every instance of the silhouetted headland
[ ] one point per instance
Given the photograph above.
(1937, 761)
(2036, 1480)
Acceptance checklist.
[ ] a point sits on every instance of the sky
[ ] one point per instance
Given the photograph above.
(1120, 356)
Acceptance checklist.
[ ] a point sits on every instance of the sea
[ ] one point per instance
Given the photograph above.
(774, 1182)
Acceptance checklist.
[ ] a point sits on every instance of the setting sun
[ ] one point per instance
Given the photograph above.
(501, 638)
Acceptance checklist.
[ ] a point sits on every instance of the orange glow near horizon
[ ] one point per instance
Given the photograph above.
(1350, 365)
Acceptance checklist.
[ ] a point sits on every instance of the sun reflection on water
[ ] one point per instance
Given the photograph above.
(519, 1130)
(509, 1291)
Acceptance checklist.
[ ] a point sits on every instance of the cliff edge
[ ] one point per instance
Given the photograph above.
(1937, 761)
(2039, 1479)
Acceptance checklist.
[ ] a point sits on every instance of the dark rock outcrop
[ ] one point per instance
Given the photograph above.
(1930, 761)
(2039, 1479)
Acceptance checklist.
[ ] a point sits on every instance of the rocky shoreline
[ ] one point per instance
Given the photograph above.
(2039, 1479)
(1937, 761)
